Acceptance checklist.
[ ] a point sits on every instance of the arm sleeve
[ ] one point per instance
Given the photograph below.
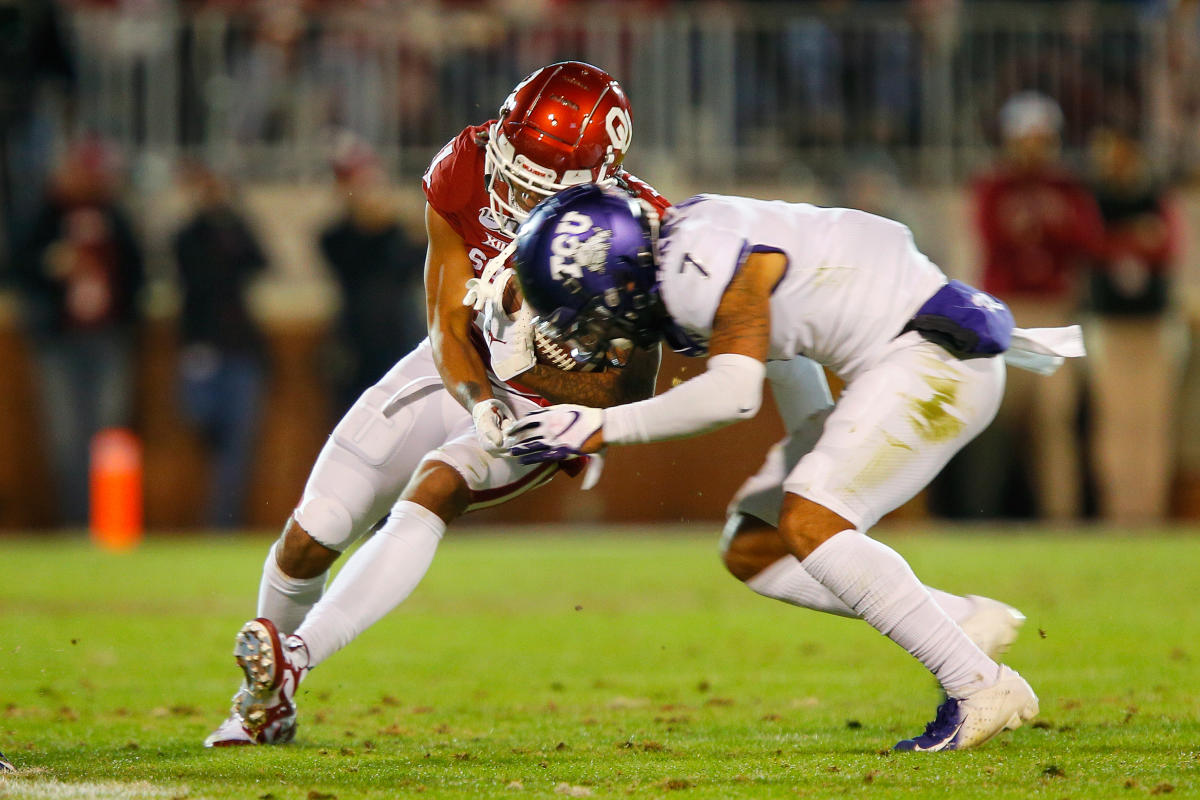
(730, 389)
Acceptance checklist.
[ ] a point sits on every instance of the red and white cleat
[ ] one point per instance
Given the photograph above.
(263, 709)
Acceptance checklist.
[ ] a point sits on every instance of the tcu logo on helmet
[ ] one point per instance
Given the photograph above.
(570, 256)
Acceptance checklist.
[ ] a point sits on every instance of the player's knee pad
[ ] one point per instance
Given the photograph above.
(327, 521)
(376, 425)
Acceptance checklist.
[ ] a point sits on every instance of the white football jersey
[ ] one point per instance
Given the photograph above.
(853, 279)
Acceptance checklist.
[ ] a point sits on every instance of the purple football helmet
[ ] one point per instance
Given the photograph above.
(586, 265)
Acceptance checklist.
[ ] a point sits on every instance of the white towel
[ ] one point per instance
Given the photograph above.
(1043, 350)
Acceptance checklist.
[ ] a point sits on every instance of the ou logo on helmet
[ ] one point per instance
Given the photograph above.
(619, 127)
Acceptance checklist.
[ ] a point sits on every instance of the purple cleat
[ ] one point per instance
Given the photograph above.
(963, 722)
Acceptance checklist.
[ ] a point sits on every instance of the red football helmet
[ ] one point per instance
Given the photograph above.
(567, 123)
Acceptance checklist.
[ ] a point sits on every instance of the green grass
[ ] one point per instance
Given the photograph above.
(620, 664)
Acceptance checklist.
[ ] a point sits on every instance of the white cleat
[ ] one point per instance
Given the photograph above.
(233, 731)
(970, 721)
(992, 625)
(263, 711)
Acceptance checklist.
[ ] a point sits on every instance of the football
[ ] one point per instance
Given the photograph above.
(558, 355)
(547, 350)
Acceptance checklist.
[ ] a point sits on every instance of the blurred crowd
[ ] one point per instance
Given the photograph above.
(78, 271)
(1096, 235)
(1057, 246)
(814, 73)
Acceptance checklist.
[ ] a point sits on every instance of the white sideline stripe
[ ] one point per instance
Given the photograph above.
(50, 789)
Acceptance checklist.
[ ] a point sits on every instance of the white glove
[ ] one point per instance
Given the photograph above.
(556, 433)
(510, 343)
(492, 421)
(488, 289)
(509, 338)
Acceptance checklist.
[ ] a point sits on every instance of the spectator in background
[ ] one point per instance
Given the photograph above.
(80, 270)
(269, 73)
(379, 269)
(1037, 225)
(812, 76)
(36, 80)
(1183, 85)
(221, 366)
(1136, 340)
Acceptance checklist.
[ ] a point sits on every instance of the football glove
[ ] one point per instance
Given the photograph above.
(556, 433)
(488, 289)
(492, 420)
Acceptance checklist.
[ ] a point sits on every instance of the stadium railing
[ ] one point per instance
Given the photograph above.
(723, 91)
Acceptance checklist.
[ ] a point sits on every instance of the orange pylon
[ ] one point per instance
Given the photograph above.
(116, 489)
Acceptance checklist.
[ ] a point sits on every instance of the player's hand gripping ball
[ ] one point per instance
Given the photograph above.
(547, 350)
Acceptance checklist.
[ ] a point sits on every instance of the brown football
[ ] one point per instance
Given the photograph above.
(547, 351)
(555, 354)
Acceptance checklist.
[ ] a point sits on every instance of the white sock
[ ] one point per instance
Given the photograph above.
(789, 581)
(286, 600)
(376, 579)
(878, 584)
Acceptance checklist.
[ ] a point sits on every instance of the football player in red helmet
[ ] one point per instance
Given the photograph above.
(422, 446)
(565, 124)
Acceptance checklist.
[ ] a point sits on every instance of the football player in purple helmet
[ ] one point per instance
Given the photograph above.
(600, 311)
(765, 289)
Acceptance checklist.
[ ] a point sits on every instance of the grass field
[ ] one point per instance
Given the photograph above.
(599, 663)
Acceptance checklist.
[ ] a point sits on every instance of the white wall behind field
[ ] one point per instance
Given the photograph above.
(298, 285)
